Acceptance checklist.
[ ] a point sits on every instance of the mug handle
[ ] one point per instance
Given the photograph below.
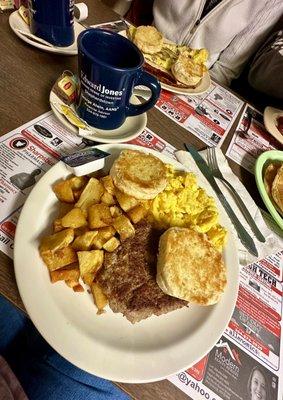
(148, 80)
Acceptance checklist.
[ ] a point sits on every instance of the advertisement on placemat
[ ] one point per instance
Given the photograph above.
(232, 374)
(228, 373)
(150, 140)
(208, 116)
(250, 139)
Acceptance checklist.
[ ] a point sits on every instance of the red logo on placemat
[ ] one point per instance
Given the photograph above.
(197, 371)
(9, 228)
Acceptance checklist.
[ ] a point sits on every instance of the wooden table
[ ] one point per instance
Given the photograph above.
(26, 76)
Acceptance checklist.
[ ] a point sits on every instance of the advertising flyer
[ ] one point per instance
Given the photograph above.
(250, 139)
(208, 116)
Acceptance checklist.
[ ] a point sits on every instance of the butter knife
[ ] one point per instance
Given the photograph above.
(244, 236)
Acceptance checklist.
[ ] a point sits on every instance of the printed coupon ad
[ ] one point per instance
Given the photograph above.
(208, 116)
(256, 328)
(228, 373)
(250, 139)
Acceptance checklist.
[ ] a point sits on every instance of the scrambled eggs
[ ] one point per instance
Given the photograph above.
(183, 203)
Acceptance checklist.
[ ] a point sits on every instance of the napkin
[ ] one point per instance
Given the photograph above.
(274, 239)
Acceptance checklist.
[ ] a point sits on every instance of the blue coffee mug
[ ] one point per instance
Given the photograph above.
(110, 66)
(53, 20)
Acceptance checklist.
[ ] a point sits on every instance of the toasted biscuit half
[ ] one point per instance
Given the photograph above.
(186, 71)
(269, 175)
(277, 189)
(138, 174)
(189, 267)
(148, 39)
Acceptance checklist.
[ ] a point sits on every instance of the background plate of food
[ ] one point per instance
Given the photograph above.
(179, 68)
(103, 234)
(269, 180)
(273, 121)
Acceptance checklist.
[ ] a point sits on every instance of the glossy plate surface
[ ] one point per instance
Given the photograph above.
(16, 22)
(130, 129)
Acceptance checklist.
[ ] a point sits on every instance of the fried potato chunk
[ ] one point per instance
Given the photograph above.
(126, 202)
(56, 241)
(108, 184)
(89, 263)
(115, 211)
(63, 191)
(108, 199)
(59, 258)
(99, 297)
(71, 272)
(123, 226)
(99, 216)
(91, 194)
(64, 208)
(111, 244)
(57, 225)
(76, 286)
(104, 234)
(137, 213)
(80, 231)
(78, 182)
(84, 241)
(74, 219)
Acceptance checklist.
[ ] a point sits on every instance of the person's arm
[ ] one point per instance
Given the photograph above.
(140, 12)
(265, 74)
(232, 59)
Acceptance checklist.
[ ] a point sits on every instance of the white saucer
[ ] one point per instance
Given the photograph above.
(270, 116)
(16, 23)
(130, 129)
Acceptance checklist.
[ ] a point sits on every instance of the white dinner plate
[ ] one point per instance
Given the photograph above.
(17, 23)
(108, 345)
(270, 116)
(129, 130)
(201, 88)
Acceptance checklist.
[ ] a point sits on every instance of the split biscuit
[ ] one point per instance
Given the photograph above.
(138, 174)
(148, 39)
(186, 71)
(189, 267)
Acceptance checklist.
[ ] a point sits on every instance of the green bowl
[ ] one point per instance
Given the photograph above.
(268, 156)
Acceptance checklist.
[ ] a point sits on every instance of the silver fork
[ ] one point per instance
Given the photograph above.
(212, 162)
